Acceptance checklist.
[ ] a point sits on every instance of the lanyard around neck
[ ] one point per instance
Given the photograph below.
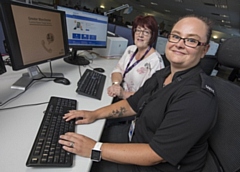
(128, 68)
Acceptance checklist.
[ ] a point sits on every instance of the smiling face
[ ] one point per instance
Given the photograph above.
(181, 56)
(142, 37)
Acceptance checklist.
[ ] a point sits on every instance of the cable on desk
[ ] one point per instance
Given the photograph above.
(80, 72)
(35, 104)
(50, 64)
(34, 81)
(42, 72)
(1, 104)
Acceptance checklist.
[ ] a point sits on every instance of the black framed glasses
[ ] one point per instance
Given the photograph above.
(190, 42)
(144, 32)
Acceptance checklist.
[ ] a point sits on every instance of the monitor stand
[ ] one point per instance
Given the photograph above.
(33, 74)
(74, 59)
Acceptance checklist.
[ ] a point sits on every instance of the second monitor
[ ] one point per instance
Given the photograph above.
(85, 31)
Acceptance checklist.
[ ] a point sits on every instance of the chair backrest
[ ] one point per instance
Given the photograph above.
(225, 140)
(228, 53)
(208, 63)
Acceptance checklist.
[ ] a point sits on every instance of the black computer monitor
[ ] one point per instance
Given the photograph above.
(111, 27)
(124, 32)
(85, 31)
(33, 35)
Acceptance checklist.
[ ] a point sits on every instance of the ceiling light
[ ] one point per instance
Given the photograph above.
(102, 6)
(215, 37)
(168, 11)
(216, 5)
(209, 4)
(142, 6)
(188, 9)
(225, 21)
(223, 15)
(179, 1)
(221, 6)
(148, 14)
(153, 3)
(227, 26)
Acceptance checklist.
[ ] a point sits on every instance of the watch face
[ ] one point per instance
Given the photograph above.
(96, 155)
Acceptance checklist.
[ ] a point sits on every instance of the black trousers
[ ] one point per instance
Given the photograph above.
(118, 134)
(113, 134)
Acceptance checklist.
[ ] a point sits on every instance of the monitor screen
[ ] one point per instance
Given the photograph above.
(33, 35)
(85, 31)
(124, 32)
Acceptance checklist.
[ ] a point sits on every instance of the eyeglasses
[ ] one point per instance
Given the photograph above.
(145, 32)
(190, 42)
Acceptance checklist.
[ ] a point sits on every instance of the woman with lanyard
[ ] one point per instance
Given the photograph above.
(138, 62)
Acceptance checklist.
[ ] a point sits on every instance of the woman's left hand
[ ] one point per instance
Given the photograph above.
(115, 90)
(77, 144)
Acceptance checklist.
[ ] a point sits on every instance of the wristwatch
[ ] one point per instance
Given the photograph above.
(115, 83)
(96, 152)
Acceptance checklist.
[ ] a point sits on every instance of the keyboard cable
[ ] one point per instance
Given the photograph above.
(7, 101)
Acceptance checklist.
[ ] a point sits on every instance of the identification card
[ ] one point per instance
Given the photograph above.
(131, 130)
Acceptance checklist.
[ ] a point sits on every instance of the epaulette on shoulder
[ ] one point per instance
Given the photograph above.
(207, 83)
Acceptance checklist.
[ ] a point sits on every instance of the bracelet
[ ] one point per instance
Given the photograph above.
(115, 83)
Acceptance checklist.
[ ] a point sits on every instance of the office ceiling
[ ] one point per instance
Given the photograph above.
(224, 13)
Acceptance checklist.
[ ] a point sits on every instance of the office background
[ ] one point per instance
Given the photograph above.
(224, 13)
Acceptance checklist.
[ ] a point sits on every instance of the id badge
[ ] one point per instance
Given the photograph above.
(131, 130)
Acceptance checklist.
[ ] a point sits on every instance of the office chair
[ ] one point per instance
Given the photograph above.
(208, 63)
(224, 142)
(228, 55)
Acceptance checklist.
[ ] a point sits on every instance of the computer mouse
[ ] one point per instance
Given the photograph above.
(101, 70)
(64, 81)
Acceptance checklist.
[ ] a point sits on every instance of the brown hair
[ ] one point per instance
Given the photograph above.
(149, 22)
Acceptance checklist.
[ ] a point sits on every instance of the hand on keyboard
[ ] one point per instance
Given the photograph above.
(77, 144)
(80, 116)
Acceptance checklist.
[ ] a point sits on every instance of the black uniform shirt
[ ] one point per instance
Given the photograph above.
(176, 119)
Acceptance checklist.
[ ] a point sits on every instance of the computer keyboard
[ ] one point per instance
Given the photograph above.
(91, 84)
(46, 151)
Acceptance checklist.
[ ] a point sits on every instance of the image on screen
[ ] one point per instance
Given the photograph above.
(33, 35)
(43, 36)
(85, 31)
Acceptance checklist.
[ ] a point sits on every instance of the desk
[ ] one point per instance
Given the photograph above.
(18, 127)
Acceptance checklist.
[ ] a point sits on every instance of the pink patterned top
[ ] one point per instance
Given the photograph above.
(136, 77)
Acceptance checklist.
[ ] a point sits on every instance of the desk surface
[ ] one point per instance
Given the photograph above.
(19, 126)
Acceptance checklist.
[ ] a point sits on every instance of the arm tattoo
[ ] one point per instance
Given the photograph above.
(117, 113)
